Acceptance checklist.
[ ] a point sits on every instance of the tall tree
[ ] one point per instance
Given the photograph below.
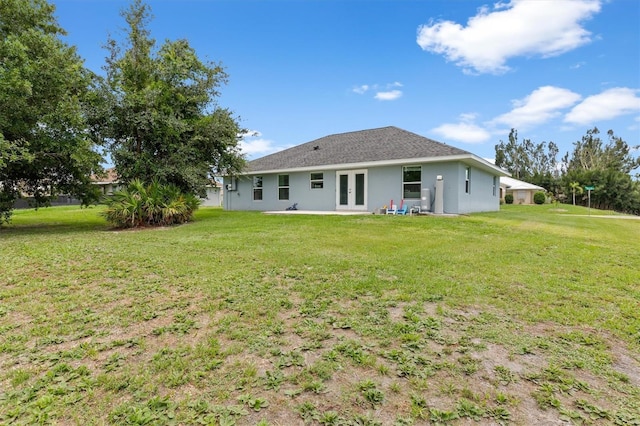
(528, 161)
(159, 110)
(607, 167)
(44, 147)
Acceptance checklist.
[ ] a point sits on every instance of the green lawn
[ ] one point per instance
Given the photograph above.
(525, 316)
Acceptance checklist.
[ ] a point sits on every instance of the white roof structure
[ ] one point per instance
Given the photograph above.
(516, 184)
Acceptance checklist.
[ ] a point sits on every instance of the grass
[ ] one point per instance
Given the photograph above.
(527, 315)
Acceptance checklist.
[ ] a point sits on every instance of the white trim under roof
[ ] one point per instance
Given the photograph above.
(469, 159)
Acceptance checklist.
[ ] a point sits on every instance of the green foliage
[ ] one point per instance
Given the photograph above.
(508, 198)
(150, 205)
(158, 410)
(44, 149)
(539, 197)
(371, 393)
(157, 109)
(526, 160)
(607, 167)
(575, 188)
(256, 404)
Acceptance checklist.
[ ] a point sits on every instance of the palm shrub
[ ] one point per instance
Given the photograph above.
(154, 204)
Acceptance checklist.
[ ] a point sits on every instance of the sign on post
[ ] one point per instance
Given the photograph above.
(589, 189)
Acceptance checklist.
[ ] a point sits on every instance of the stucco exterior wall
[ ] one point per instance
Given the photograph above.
(300, 192)
(384, 183)
(484, 193)
(522, 196)
(213, 198)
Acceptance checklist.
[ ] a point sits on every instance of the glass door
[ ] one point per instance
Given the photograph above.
(352, 190)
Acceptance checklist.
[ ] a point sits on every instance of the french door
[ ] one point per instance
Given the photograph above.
(352, 190)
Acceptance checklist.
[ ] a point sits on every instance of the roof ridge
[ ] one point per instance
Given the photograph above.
(378, 144)
(356, 131)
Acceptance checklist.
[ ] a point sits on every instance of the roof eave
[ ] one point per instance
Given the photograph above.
(469, 159)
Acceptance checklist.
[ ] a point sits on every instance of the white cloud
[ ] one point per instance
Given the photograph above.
(253, 145)
(607, 105)
(464, 131)
(258, 147)
(540, 106)
(391, 95)
(517, 28)
(361, 90)
(384, 92)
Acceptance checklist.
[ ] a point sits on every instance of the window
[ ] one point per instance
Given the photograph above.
(467, 180)
(317, 180)
(283, 187)
(257, 188)
(344, 190)
(411, 182)
(495, 179)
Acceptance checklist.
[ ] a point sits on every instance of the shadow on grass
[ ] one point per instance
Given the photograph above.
(54, 220)
(74, 220)
(49, 228)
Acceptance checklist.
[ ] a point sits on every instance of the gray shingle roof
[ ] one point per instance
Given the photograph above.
(383, 144)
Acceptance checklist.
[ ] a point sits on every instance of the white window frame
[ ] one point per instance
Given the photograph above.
(316, 181)
(281, 187)
(258, 188)
(467, 180)
(418, 182)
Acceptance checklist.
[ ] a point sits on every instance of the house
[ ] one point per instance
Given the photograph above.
(522, 191)
(364, 171)
(214, 195)
(108, 182)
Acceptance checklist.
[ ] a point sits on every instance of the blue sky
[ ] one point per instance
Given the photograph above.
(463, 72)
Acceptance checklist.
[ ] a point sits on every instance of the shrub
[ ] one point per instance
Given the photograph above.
(539, 197)
(508, 198)
(150, 205)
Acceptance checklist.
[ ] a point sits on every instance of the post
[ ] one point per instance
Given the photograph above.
(589, 189)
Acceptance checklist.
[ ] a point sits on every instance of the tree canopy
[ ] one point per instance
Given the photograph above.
(526, 160)
(157, 110)
(44, 146)
(608, 167)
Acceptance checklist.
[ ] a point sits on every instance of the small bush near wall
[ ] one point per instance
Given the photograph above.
(508, 198)
(539, 197)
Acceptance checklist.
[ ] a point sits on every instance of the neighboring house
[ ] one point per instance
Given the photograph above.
(522, 191)
(364, 171)
(108, 183)
(214, 195)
